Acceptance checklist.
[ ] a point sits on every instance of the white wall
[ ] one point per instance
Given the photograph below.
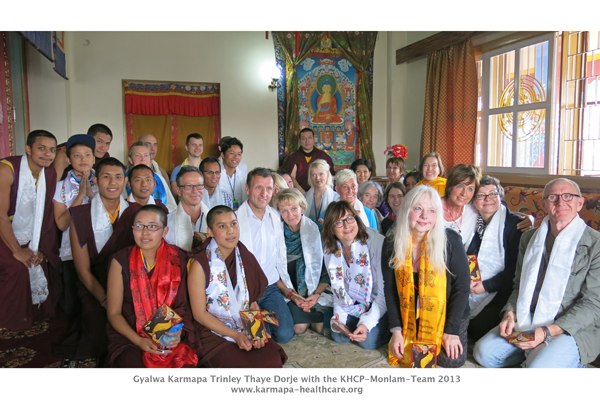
(98, 61)
(47, 96)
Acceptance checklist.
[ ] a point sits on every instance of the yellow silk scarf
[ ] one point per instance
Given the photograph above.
(432, 311)
(439, 184)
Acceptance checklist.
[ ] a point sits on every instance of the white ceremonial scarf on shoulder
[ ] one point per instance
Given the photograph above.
(557, 273)
(490, 258)
(171, 203)
(132, 199)
(328, 196)
(312, 251)
(101, 224)
(215, 200)
(181, 229)
(351, 282)
(223, 300)
(29, 210)
(469, 222)
(360, 209)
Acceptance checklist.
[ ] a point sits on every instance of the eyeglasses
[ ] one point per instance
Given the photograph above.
(150, 227)
(482, 196)
(564, 196)
(189, 188)
(349, 220)
(212, 172)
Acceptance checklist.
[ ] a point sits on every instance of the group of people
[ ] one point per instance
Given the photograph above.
(348, 260)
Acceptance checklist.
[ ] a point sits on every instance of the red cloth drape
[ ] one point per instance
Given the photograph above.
(172, 104)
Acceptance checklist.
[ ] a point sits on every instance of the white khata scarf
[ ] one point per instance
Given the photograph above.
(223, 300)
(352, 283)
(101, 224)
(181, 230)
(490, 258)
(557, 273)
(27, 224)
(131, 199)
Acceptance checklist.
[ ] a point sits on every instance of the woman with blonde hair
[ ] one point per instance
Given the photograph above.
(321, 191)
(306, 283)
(426, 281)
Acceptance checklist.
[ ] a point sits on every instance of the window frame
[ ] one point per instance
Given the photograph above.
(548, 105)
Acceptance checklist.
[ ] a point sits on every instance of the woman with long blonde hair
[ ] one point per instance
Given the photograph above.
(426, 283)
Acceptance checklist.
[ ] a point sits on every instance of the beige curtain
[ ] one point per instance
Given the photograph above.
(450, 119)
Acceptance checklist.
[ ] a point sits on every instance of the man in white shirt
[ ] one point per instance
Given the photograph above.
(262, 233)
(233, 178)
(213, 194)
(188, 222)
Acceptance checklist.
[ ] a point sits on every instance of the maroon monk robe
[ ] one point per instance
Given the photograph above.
(216, 352)
(298, 159)
(17, 311)
(93, 341)
(121, 352)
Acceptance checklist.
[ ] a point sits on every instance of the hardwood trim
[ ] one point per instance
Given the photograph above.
(435, 42)
(587, 184)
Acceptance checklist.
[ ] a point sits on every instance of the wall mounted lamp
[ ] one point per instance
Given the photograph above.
(274, 84)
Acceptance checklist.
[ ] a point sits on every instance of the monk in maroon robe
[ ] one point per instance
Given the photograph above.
(213, 349)
(91, 262)
(297, 163)
(17, 311)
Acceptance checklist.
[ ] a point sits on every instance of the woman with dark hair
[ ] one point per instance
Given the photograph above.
(393, 195)
(143, 279)
(433, 170)
(363, 169)
(426, 278)
(459, 214)
(353, 259)
(412, 178)
(494, 248)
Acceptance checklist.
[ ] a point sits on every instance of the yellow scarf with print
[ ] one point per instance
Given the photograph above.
(431, 314)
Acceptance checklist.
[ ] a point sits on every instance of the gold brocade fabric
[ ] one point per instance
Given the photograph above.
(431, 312)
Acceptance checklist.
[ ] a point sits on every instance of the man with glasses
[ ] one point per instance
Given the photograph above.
(213, 194)
(187, 225)
(556, 293)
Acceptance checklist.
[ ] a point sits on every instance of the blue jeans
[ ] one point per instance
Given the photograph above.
(494, 351)
(273, 300)
(378, 335)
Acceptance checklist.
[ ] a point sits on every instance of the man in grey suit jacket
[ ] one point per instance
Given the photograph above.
(556, 295)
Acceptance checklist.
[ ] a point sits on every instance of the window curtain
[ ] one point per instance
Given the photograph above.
(450, 118)
(358, 48)
(170, 111)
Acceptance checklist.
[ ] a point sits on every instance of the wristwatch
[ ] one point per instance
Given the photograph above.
(547, 334)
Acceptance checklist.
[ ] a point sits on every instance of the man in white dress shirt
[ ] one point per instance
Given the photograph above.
(262, 233)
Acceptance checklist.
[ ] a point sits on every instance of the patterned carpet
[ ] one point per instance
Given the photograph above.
(37, 347)
(312, 350)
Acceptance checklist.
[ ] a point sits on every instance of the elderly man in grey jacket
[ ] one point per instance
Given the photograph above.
(552, 318)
